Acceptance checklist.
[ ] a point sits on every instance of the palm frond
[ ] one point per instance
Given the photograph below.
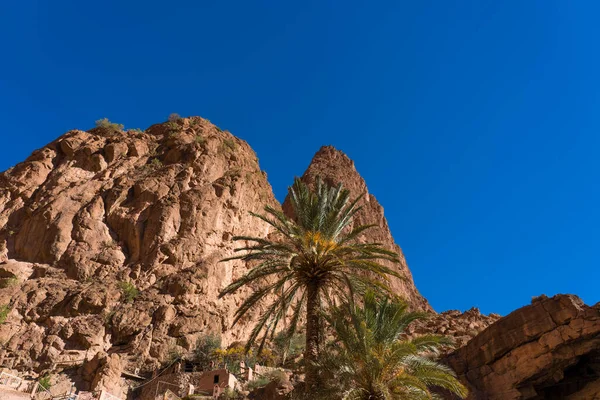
(316, 249)
(431, 342)
(378, 361)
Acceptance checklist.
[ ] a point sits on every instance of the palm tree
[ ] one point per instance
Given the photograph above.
(312, 261)
(374, 362)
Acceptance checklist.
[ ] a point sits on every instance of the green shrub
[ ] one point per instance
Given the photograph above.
(156, 163)
(174, 117)
(200, 140)
(105, 123)
(108, 316)
(173, 355)
(227, 146)
(8, 282)
(230, 394)
(173, 128)
(288, 347)
(206, 350)
(128, 291)
(258, 383)
(135, 130)
(277, 375)
(234, 173)
(45, 382)
(4, 310)
(266, 357)
(229, 143)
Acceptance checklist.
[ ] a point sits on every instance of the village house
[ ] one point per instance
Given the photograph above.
(216, 382)
(182, 383)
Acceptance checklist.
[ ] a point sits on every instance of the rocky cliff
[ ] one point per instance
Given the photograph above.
(460, 326)
(110, 244)
(335, 167)
(547, 350)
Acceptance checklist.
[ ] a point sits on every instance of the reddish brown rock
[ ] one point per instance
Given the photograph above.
(115, 151)
(274, 390)
(103, 372)
(461, 326)
(156, 209)
(334, 167)
(549, 349)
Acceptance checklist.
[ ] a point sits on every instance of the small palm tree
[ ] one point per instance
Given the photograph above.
(311, 262)
(373, 361)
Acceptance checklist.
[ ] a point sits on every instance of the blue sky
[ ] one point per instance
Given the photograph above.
(475, 124)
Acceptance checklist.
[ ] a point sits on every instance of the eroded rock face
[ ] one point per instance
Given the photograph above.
(546, 350)
(94, 209)
(334, 167)
(461, 326)
(274, 390)
(157, 209)
(103, 372)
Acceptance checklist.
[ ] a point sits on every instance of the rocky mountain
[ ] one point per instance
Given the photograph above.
(111, 241)
(335, 167)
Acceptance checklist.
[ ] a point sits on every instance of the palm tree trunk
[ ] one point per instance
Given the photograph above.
(311, 352)
(284, 355)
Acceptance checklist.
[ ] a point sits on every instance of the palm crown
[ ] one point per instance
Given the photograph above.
(372, 357)
(311, 261)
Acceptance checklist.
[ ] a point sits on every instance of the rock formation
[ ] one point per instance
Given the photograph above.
(94, 218)
(462, 327)
(335, 167)
(547, 350)
(110, 244)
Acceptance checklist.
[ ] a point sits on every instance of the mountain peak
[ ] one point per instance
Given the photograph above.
(333, 166)
(111, 238)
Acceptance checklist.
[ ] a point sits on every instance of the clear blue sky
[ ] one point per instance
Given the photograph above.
(476, 124)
